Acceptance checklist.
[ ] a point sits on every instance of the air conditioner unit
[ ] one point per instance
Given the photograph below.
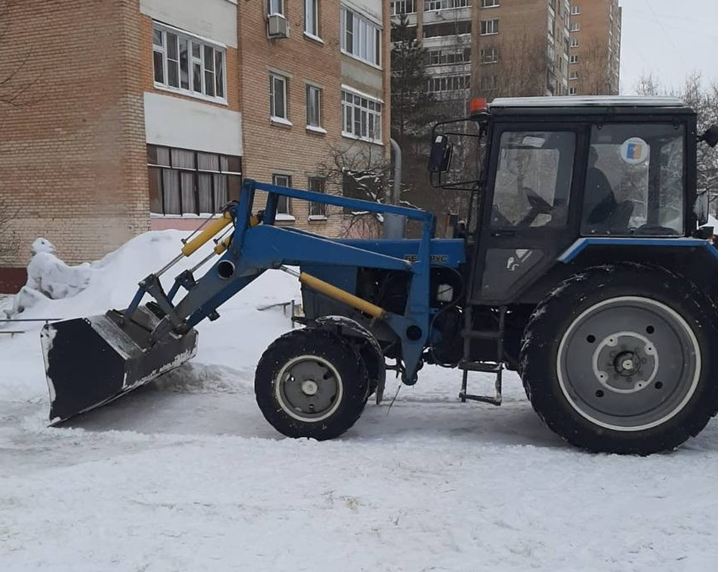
(278, 26)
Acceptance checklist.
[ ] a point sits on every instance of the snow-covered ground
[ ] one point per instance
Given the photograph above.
(186, 475)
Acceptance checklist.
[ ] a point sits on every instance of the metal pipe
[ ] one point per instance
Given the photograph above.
(395, 225)
(336, 293)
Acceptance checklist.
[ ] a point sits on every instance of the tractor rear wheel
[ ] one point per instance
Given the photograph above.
(311, 383)
(623, 359)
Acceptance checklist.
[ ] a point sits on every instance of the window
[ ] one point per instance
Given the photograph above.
(191, 182)
(360, 116)
(360, 37)
(488, 82)
(575, 10)
(313, 106)
(574, 59)
(441, 57)
(317, 185)
(574, 42)
(450, 83)
(488, 27)
(572, 91)
(455, 28)
(279, 97)
(404, 7)
(276, 7)
(635, 181)
(575, 26)
(573, 75)
(489, 55)
(490, 3)
(534, 168)
(283, 202)
(187, 64)
(433, 5)
(311, 18)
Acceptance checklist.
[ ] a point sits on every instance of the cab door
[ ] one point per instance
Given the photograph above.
(528, 215)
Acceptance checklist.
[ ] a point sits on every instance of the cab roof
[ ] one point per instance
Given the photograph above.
(580, 101)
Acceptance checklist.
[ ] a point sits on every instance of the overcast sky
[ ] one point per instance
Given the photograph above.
(670, 39)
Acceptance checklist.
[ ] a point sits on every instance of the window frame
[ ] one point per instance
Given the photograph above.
(369, 109)
(230, 175)
(493, 23)
(362, 48)
(315, 20)
(286, 213)
(271, 4)
(312, 88)
(317, 211)
(219, 64)
(275, 76)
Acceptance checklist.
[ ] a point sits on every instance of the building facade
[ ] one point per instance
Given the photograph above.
(494, 48)
(146, 114)
(595, 47)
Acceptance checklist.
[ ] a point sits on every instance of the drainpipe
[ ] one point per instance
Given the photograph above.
(395, 225)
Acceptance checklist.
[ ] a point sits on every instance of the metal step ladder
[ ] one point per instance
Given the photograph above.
(467, 365)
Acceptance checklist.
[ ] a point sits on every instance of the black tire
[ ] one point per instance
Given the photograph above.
(331, 397)
(623, 359)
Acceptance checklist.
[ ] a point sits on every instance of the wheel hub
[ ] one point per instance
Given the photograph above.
(625, 362)
(309, 387)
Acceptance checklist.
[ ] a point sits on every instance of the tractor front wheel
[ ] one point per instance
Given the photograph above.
(311, 383)
(623, 359)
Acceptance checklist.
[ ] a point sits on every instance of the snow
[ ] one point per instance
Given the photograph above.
(186, 474)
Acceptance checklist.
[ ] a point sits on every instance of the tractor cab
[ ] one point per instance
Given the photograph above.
(559, 169)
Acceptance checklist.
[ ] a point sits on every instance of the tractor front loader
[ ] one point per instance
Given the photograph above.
(581, 264)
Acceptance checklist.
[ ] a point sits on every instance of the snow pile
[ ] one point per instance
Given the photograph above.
(48, 278)
(112, 282)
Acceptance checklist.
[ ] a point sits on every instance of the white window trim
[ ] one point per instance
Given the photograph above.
(274, 118)
(306, 33)
(308, 126)
(179, 90)
(316, 39)
(314, 129)
(347, 135)
(372, 23)
(493, 20)
(270, 13)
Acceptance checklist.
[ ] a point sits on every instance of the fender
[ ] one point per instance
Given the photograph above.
(373, 357)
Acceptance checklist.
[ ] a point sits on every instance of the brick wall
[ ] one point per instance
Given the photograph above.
(72, 159)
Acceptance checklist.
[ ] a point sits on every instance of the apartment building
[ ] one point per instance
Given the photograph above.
(134, 115)
(497, 48)
(595, 47)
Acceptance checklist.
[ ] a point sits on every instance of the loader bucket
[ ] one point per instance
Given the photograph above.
(91, 361)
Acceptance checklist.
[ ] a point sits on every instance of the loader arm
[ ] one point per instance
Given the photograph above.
(142, 342)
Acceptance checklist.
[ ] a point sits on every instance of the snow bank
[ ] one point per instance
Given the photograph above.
(48, 278)
(112, 282)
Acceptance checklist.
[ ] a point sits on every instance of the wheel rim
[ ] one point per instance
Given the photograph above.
(309, 388)
(629, 363)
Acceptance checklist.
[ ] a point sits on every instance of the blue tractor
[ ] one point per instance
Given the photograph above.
(583, 265)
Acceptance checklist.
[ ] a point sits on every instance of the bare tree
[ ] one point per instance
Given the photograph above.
(8, 237)
(704, 100)
(358, 171)
(594, 74)
(15, 77)
(514, 67)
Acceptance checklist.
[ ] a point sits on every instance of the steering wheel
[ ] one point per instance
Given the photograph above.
(538, 205)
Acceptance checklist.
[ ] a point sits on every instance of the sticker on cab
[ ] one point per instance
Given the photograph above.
(634, 151)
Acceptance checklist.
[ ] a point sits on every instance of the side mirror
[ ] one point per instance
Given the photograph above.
(709, 136)
(440, 155)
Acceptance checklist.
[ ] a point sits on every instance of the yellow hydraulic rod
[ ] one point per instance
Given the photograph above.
(336, 293)
(207, 234)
